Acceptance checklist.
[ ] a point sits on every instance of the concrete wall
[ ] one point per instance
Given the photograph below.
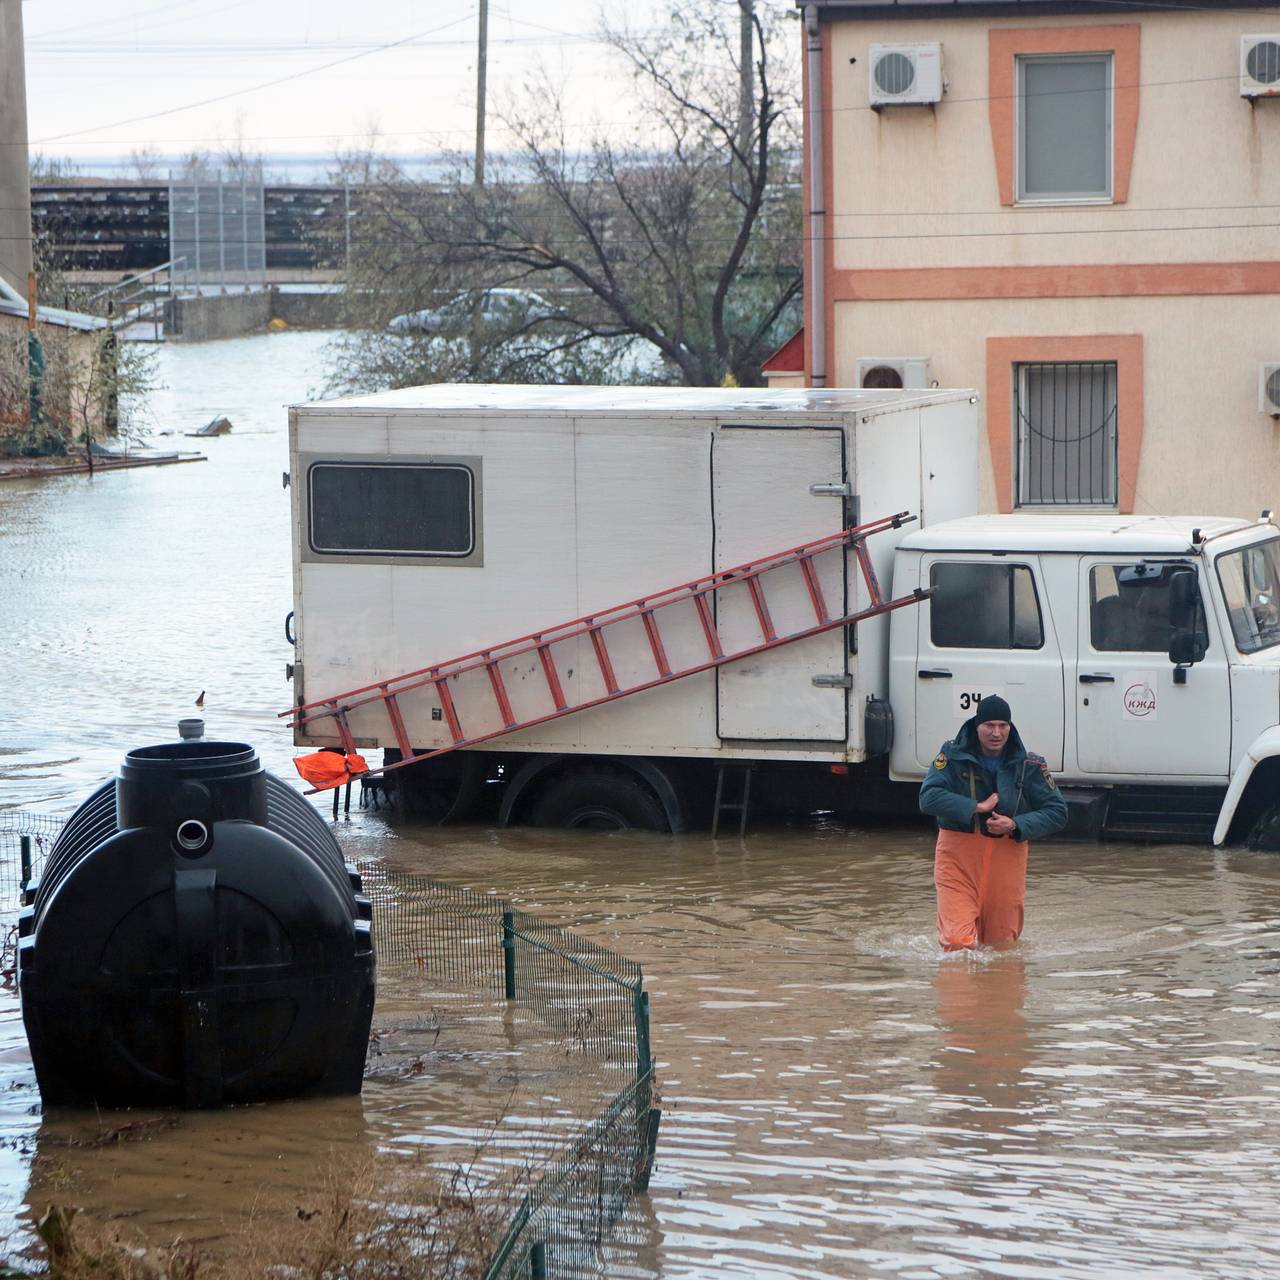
(15, 188)
(1177, 276)
(217, 315)
(307, 310)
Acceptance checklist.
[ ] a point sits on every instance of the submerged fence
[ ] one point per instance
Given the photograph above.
(591, 1000)
(587, 996)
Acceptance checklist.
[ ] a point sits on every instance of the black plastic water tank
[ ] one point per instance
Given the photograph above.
(195, 939)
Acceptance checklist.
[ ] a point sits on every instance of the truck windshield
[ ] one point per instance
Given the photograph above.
(1250, 581)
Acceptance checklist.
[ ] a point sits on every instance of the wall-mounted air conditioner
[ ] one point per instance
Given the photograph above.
(1260, 66)
(911, 372)
(1269, 389)
(905, 74)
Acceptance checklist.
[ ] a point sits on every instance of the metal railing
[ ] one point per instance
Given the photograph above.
(140, 296)
(589, 998)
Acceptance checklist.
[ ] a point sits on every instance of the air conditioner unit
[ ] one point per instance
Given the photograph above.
(911, 372)
(1269, 389)
(1260, 66)
(905, 74)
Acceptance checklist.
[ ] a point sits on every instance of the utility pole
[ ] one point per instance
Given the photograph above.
(482, 57)
(746, 72)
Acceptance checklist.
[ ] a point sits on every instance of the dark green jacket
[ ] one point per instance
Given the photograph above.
(957, 780)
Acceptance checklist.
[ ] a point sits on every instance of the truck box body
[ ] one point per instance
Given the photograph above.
(499, 511)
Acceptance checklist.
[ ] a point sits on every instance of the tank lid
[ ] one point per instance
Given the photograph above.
(191, 758)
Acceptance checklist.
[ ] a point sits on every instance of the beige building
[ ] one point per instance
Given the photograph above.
(15, 189)
(1075, 208)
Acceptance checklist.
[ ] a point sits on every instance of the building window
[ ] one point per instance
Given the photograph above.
(1065, 416)
(392, 509)
(984, 606)
(1064, 127)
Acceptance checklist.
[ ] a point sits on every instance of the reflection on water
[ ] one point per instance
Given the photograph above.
(840, 1101)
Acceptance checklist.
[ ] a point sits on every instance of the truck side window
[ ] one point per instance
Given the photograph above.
(391, 509)
(1250, 581)
(1129, 607)
(984, 606)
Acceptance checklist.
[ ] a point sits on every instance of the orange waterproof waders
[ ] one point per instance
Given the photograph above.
(982, 889)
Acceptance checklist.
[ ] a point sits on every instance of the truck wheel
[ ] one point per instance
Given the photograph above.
(437, 791)
(1265, 832)
(599, 801)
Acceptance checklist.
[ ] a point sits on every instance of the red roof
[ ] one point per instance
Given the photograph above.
(789, 358)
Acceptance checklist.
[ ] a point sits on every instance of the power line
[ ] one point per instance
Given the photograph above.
(266, 84)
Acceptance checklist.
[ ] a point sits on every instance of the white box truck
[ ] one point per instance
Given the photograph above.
(445, 523)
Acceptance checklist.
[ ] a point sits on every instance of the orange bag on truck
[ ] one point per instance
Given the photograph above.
(325, 769)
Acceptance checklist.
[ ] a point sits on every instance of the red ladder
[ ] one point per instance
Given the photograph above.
(699, 592)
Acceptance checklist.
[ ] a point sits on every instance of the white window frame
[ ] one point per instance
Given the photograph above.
(1105, 56)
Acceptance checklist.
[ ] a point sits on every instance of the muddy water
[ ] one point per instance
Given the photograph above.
(840, 1101)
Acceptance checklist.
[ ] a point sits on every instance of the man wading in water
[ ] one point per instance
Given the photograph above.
(980, 862)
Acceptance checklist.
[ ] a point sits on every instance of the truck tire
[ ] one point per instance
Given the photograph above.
(599, 800)
(1265, 833)
(439, 791)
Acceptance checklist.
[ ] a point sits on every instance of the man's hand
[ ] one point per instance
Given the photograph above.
(999, 825)
(987, 805)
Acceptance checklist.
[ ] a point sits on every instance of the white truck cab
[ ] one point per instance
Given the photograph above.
(1140, 657)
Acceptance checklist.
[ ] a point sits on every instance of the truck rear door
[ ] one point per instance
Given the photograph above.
(760, 478)
(1131, 716)
(986, 629)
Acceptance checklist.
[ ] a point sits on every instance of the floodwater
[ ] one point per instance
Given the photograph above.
(839, 1099)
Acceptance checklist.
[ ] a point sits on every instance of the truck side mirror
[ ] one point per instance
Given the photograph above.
(1188, 635)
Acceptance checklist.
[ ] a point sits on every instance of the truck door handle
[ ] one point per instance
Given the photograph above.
(934, 675)
(1098, 678)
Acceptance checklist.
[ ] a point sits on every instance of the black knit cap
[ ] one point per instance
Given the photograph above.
(993, 707)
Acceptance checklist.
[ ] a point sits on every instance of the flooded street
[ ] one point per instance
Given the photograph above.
(839, 1100)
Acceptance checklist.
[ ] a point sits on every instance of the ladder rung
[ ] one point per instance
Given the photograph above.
(450, 714)
(708, 626)
(655, 642)
(602, 657)
(500, 692)
(553, 677)
(762, 609)
(397, 723)
(815, 589)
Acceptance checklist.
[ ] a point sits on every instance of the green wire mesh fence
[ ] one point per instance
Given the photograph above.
(438, 937)
(587, 996)
(25, 840)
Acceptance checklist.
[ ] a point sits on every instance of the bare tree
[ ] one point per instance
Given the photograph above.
(684, 236)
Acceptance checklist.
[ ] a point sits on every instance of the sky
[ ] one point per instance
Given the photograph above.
(106, 78)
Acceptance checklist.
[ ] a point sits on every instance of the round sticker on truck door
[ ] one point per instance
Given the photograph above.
(1139, 696)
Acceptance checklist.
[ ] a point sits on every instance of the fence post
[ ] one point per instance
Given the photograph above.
(538, 1261)
(509, 954)
(647, 1117)
(643, 1061)
(25, 845)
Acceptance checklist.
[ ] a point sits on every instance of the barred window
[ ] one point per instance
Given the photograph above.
(1065, 415)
